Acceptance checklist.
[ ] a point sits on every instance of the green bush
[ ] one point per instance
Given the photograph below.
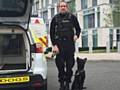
(97, 49)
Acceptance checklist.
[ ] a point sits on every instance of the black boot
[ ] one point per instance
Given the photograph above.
(62, 86)
(67, 87)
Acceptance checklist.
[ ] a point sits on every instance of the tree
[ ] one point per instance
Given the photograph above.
(72, 6)
(116, 13)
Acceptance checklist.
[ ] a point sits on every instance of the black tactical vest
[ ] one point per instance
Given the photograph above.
(64, 26)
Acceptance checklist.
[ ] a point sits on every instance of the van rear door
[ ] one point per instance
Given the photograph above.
(15, 52)
(15, 12)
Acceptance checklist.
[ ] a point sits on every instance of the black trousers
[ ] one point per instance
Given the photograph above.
(65, 60)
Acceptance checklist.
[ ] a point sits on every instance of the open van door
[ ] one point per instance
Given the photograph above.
(15, 55)
(16, 12)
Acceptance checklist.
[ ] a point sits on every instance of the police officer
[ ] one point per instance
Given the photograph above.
(64, 31)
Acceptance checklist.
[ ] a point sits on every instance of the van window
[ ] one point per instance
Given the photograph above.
(11, 44)
(12, 52)
(12, 8)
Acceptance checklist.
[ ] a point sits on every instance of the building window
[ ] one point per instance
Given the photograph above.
(111, 38)
(52, 12)
(47, 27)
(35, 8)
(37, 5)
(85, 21)
(114, 1)
(84, 4)
(46, 3)
(116, 16)
(95, 38)
(84, 39)
(118, 35)
(98, 19)
(45, 15)
(89, 21)
(54, 1)
(94, 2)
(110, 1)
(42, 3)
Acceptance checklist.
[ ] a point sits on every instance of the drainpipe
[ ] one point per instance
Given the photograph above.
(118, 46)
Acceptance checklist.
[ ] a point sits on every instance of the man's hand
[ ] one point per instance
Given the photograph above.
(55, 49)
(75, 37)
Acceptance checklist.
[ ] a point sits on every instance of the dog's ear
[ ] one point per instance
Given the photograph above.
(81, 60)
(77, 59)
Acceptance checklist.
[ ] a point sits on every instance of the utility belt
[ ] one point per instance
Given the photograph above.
(65, 38)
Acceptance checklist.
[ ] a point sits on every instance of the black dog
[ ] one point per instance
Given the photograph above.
(79, 78)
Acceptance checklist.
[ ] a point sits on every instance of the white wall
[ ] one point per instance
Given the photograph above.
(103, 1)
(89, 3)
(114, 37)
(78, 5)
(103, 34)
(105, 16)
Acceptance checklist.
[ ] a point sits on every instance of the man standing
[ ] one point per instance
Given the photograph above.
(64, 31)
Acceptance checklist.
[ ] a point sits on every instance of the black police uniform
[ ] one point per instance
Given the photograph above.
(61, 33)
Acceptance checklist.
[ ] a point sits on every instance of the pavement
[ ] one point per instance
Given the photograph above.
(99, 56)
(93, 56)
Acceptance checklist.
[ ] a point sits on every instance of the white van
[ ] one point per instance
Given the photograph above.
(19, 66)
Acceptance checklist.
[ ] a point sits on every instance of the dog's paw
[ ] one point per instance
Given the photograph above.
(84, 88)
